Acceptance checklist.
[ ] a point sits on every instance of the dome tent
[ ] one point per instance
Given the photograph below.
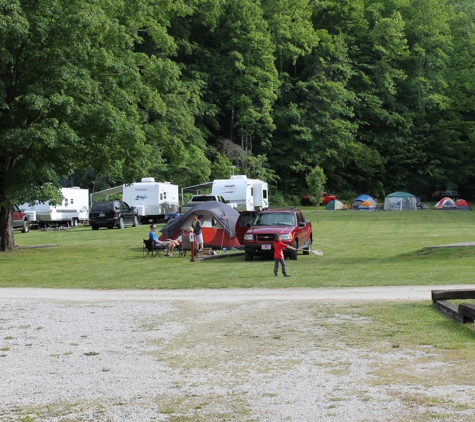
(462, 205)
(362, 198)
(446, 204)
(367, 205)
(400, 201)
(335, 205)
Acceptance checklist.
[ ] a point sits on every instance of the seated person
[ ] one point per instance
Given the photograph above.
(158, 244)
(177, 242)
(187, 233)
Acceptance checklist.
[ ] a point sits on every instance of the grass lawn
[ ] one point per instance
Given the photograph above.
(359, 249)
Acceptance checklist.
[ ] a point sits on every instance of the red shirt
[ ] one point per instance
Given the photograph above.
(278, 248)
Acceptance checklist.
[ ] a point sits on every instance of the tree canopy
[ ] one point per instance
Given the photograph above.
(377, 93)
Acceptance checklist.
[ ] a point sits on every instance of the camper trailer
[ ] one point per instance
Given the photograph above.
(245, 194)
(154, 201)
(72, 209)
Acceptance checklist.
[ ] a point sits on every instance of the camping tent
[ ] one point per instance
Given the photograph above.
(462, 205)
(335, 205)
(368, 205)
(218, 224)
(360, 199)
(446, 204)
(400, 201)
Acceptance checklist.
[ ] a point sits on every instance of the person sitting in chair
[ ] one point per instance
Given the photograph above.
(158, 244)
(177, 242)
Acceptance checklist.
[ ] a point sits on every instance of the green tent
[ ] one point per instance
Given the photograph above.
(335, 205)
(400, 201)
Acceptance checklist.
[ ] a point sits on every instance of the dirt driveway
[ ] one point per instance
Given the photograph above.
(214, 355)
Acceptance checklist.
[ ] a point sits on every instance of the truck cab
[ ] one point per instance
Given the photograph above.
(20, 220)
(291, 224)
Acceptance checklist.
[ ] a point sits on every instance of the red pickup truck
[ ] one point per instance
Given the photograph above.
(326, 198)
(289, 223)
(20, 220)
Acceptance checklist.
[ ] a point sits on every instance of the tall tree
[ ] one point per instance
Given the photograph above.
(75, 93)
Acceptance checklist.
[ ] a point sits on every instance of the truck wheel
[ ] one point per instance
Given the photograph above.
(293, 254)
(309, 248)
(25, 227)
(94, 227)
(120, 223)
(248, 257)
(136, 222)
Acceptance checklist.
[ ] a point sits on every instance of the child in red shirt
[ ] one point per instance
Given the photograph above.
(279, 246)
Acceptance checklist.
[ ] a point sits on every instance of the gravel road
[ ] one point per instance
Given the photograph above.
(214, 355)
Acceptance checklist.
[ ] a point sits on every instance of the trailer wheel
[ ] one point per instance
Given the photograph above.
(25, 227)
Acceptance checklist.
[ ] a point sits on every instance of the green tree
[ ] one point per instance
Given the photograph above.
(316, 180)
(75, 93)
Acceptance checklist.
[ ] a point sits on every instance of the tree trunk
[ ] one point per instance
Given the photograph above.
(6, 229)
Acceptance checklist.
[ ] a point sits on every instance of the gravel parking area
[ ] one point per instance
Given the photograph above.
(211, 355)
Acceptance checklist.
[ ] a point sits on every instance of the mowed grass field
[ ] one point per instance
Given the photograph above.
(359, 249)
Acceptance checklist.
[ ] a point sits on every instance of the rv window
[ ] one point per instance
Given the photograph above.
(161, 197)
(252, 191)
(264, 193)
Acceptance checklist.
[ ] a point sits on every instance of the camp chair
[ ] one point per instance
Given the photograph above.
(148, 249)
(186, 244)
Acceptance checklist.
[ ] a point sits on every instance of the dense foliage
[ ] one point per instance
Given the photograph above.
(378, 93)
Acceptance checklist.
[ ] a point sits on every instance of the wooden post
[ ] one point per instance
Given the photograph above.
(192, 247)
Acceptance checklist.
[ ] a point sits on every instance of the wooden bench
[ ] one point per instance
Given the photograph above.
(465, 312)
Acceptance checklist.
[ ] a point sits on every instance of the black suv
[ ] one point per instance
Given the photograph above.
(439, 194)
(112, 214)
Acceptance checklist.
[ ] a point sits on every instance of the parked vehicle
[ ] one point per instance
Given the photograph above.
(20, 220)
(326, 198)
(154, 201)
(439, 194)
(244, 222)
(74, 208)
(199, 199)
(242, 193)
(112, 214)
(289, 223)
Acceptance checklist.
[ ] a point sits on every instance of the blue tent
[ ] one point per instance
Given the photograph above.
(362, 198)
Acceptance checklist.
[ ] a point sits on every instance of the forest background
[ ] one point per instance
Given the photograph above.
(378, 93)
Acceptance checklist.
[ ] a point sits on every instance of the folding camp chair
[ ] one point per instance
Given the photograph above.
(186, 245)
(148, 249)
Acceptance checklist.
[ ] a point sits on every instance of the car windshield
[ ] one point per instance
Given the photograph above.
(275, 219)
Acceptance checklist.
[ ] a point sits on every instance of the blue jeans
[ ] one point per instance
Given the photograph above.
(276, 265)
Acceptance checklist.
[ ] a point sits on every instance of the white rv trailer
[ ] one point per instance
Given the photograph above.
(154, 200)
(246, 194)
(74, 208)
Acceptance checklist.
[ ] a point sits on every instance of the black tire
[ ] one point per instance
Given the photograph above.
(136, 221)
(25, 227)
(309, 248)
(248, 257)
(293, 254)
(94, 227)
(120, 223)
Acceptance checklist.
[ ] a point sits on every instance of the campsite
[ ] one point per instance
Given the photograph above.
(368, 356)
(359, 249)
